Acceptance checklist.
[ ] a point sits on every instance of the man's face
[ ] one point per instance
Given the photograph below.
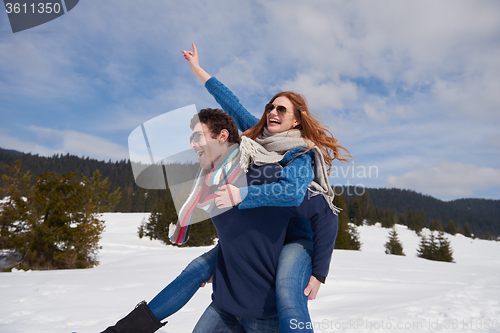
(207, 148)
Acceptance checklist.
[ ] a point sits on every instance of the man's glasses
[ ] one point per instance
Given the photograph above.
(195, 137)
(280, 108)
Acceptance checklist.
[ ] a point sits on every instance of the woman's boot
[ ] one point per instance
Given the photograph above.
(140, 320)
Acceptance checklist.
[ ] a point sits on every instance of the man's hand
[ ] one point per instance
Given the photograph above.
(312, 288)
(227, 196)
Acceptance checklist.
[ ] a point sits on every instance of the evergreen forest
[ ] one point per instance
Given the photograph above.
(471, 217)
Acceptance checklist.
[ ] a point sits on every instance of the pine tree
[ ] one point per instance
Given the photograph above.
(435, 225)
(433, 248)
(402, 219)
(393, 245)
(416, 220)
(163, 214)
(445, 253)
(450, 228)
(366, 207)
(54, 223)
(347, 235)
(466, 230)
(356, 212)
(387, 220)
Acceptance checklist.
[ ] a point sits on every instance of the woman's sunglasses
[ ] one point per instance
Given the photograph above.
(280, 108)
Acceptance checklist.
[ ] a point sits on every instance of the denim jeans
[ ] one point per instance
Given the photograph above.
(292, 276)
(174, 296)
(216, 320)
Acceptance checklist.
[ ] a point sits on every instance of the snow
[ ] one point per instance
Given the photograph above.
(367, 290)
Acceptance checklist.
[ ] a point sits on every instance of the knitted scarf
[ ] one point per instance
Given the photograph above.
(227, 170)
(269, 148)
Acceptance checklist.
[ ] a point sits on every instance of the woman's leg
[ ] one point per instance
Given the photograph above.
(292, 276)
(174, 296)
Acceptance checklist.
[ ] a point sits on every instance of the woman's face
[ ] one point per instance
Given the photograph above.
(277, 119)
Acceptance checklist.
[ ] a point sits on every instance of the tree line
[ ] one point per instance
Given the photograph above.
(67, 179)
(476, 217)
(470, 217)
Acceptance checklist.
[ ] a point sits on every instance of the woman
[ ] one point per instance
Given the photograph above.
(294, 268)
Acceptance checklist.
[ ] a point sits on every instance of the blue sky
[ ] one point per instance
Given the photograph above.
(411, 88)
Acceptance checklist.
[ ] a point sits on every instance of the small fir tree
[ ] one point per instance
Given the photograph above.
(54, 222)
(445, 253)
(164, 214)
(435, 248)
(393, 245)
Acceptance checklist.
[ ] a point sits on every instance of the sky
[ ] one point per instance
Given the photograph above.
(410, 88)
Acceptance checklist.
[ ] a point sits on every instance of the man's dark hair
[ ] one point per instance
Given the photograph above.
(217, 120)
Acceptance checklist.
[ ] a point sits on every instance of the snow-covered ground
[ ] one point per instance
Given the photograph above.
(367, 291)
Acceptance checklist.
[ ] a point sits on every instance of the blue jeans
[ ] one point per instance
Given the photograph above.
(174, 296)
(292, 277)
(216, 320)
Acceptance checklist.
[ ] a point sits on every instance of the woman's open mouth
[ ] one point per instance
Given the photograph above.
(274, 122)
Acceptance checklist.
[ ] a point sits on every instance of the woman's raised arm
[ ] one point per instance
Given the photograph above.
(194, 62)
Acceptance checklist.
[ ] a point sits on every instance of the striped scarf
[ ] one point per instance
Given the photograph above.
(227, 170)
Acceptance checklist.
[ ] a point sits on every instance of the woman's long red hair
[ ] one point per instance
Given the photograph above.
(310, 127)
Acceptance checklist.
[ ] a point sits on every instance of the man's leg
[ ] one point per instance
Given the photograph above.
(216, 320)
(174, 296)
(261, 325)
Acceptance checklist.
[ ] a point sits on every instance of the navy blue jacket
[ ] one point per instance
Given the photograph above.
(250, 242)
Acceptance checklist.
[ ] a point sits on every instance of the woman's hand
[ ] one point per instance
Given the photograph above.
(194, 62)
(192, 56)
(203, 284)
(312, 288)
(227, 196)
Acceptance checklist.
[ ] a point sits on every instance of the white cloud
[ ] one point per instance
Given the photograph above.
(239, 73)
(448, 180)
(323, 92)
(413, 44)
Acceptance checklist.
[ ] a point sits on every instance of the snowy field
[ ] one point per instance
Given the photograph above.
(367, 291)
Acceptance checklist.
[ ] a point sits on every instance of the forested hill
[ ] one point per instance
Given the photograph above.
(118, 173)
(481, 215)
